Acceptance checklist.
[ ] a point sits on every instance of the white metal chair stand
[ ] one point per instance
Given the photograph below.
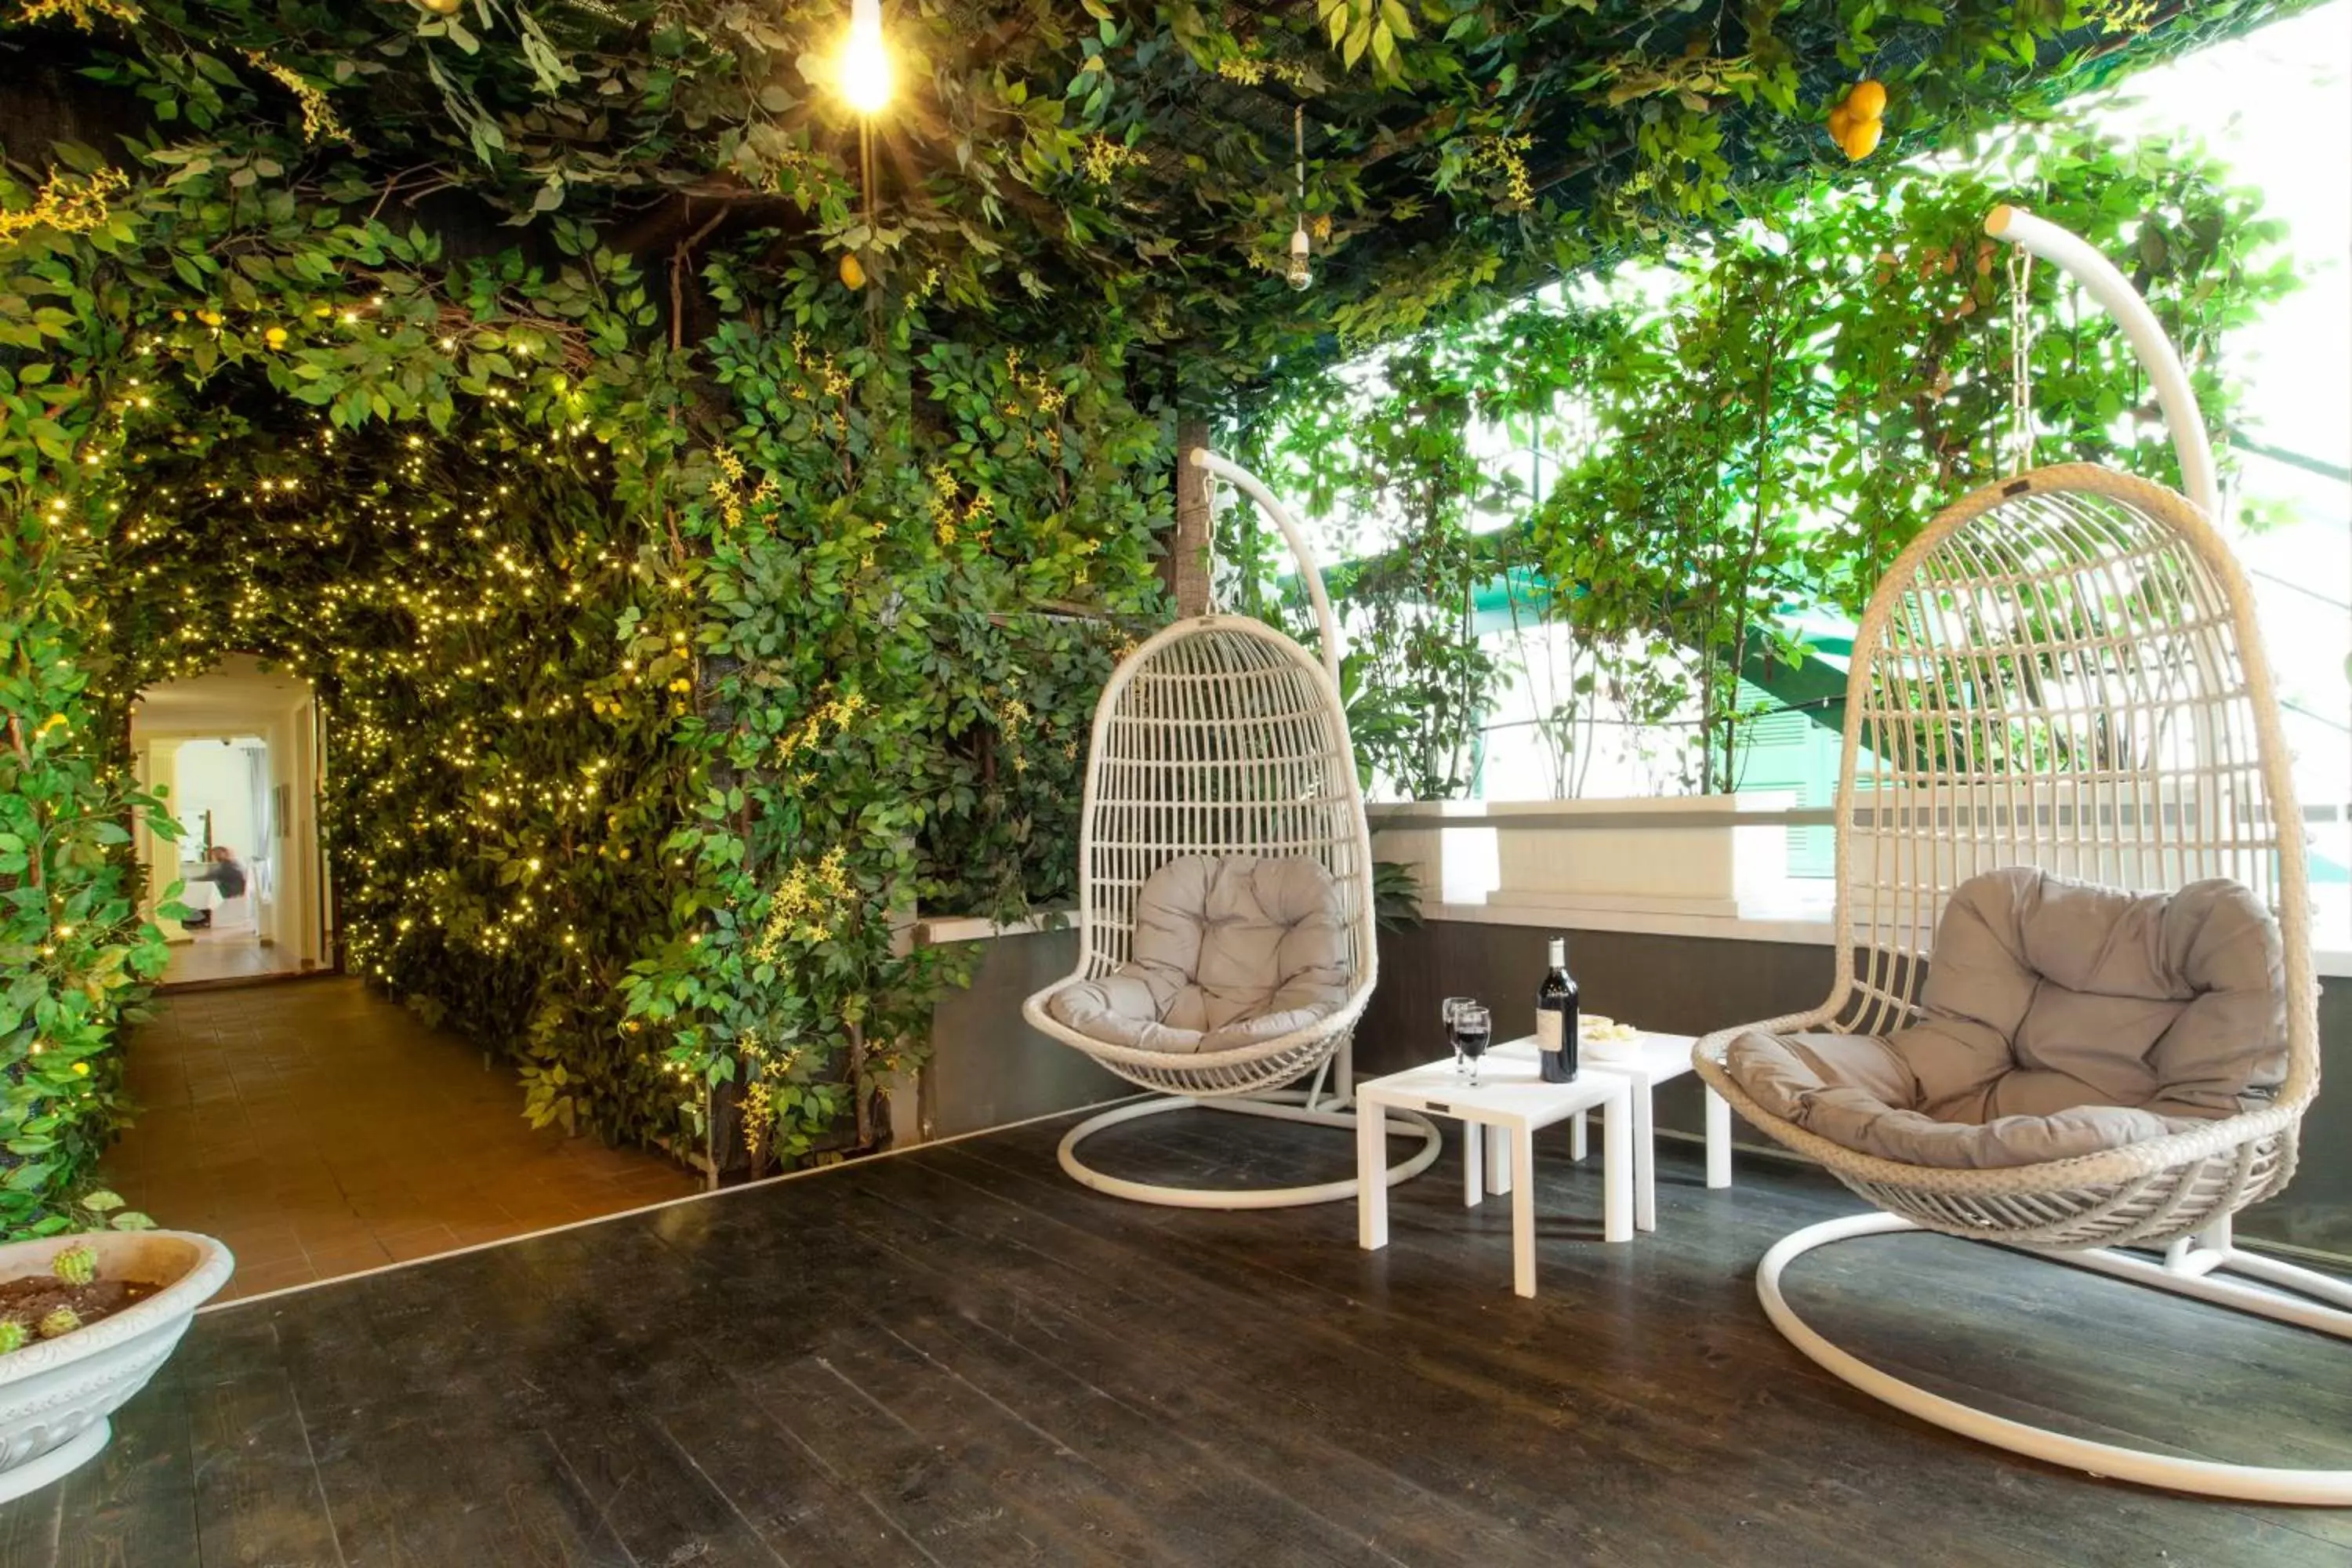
(1221, 736)
(2067, 670)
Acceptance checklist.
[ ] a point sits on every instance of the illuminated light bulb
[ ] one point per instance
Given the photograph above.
(865, 65)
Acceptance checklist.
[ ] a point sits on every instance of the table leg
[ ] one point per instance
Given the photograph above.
(1523, 1209)
(1498, 1162)
(1473, 1174)
(1576, 1137)
(1718, 1140)
(1617, 1170)
(1371, 1176)
(1646, 1157)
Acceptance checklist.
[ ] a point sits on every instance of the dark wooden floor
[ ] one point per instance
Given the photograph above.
(958, 1357)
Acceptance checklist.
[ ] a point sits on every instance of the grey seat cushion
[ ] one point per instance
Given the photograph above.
(1227, 951)
(2058, 1019)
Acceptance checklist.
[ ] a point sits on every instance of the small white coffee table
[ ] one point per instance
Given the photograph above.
(1646, 1060)
(1512, 1098)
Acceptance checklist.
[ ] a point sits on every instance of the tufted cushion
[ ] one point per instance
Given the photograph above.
(1227, 951)
(2058, 1019)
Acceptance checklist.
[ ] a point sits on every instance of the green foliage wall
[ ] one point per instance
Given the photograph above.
(613, 674)
(916, 560)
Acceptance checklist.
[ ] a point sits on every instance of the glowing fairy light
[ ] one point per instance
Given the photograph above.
(863, 66)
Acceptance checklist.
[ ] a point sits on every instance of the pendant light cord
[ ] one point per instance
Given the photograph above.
(1298, 148)
(2021, 359)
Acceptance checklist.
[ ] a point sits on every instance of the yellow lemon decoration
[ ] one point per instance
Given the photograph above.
(853, 271)
(1856, 124)
(275, 337)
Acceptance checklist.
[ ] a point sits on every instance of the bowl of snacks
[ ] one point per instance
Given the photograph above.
(1604, 1039)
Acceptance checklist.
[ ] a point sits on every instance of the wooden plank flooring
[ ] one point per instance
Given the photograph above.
(958, 1357)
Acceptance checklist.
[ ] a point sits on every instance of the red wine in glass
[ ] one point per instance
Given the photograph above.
(1472, 1027)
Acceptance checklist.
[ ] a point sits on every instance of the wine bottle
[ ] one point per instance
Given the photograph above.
(1556, 1018)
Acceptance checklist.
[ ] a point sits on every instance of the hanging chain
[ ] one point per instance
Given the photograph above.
(2021, 359)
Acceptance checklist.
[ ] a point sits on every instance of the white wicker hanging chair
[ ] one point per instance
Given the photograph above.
(1221, 736)
(2065, 670)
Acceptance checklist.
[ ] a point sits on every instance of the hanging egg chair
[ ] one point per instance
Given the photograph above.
(2062, 676)
(1219, 769)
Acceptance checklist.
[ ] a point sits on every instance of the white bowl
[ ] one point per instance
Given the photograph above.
(56, 1394)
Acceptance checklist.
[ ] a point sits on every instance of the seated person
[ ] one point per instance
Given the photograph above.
(223, 872)
(227, 879)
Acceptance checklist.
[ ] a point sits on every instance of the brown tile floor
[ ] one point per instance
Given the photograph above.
(223, 955)
(319, 1130)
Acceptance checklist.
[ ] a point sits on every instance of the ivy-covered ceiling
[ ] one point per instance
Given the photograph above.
(1046, 156)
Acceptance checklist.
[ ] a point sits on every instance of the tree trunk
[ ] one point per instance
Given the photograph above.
(857, 1087)
(1186, 569)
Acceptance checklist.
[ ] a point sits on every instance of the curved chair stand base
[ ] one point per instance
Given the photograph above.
(1282, 1105)
(2187, 1271)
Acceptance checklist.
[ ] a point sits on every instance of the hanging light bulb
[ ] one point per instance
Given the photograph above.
(864, 63)
(1300, 273)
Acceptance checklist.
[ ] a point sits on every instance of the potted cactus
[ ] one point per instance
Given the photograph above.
(85, 1321)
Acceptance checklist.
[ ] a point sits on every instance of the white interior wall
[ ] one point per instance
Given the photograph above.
(214, 775)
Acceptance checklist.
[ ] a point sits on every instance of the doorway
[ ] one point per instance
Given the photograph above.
(235, 754)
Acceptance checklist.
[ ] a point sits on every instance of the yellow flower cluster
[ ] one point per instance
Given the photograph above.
(836, 714)
(82, 13)
(1013, 718)
(836, 381)
(728, 489)
(759, 1100)
(948, 519)
(2133, 17)
(1250, 71)
(1104, 158)
(1049, 397)
(67, 206)
(319, 121)
(803, 905)
(1505, 155)
(756, 1110)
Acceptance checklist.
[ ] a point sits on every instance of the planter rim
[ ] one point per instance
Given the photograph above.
(205, 1274)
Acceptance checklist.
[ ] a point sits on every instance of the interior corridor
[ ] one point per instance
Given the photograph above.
(320, 1130)
(238, 754)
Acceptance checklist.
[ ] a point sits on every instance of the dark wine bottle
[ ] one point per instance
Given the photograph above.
(1556, 1018)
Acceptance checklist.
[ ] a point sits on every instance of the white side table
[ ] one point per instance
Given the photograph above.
(1511, 1097)
(1646, 1061)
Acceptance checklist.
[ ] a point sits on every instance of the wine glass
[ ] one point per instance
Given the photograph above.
(1472, 1027)
(1447, 1010)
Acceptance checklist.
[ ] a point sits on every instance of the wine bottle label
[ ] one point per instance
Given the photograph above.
(1548, 1028)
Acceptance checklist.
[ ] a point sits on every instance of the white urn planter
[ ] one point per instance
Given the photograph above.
(56, 1394)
